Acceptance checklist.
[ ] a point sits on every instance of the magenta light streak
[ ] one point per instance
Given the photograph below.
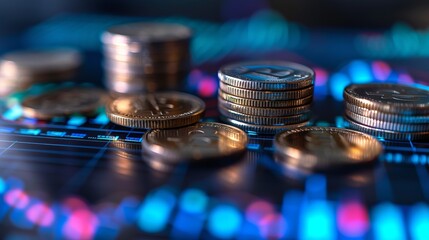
(352, 219)
(273, 226)
(17, 198)
(381, 70)
(207, 86)
(81, 224)
(256, 211)
(321, 76)
(40, 214)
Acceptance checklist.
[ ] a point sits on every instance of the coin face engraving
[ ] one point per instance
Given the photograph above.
(327, 142)
(270, 72)
(199, 141)
(391, 94)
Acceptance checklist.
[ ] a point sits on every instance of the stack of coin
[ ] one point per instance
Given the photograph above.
(313, 149)
(21, 69)
(388, 111)
(265, 97)
(146, 57)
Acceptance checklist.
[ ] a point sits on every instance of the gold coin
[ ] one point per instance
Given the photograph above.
(158, 110)
(64, 102)
(325, 148)
(198, 142)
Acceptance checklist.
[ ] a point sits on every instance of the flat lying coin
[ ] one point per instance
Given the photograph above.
(199, 142)
(64, 102)
(389, 98)
(158, 110)
(326, 148)
(267, 75)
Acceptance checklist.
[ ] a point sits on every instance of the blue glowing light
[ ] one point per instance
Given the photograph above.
(2, 185)
(13, 113)
(224, 221)
(292, 201)
(419, 222)
(155, 211)
(388, 222)
(360, 72)
(316, 187)
(76, 120)
(101, 119)
(337, 84)
(317, 221)
(193, 201)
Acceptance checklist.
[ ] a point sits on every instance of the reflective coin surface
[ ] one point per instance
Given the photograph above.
(390, 98)
(146, 32)
(64, 102)
(198, 142)
(267, 75)
(158, 110)
(325, 148)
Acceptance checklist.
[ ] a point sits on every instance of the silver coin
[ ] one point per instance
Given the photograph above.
(197, 143)
(146, 32)
(387, 117)
(326, 148)
(270, 112)
(267, 75)
(386, 134)
(266, 95)
(39, 62)
(264, 103)
(144, 69)
(264, 120)
(262, 129)
(389, 98)
(392, 126)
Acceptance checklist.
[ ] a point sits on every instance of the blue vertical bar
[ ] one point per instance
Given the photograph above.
(388, 222)
(419, 222)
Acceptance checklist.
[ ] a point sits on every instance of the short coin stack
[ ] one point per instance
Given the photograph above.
(265, 97)
(146, 57)
(19, 70)
(388, 111)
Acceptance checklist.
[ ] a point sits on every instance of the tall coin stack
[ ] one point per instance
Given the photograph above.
(21, 69)
(146, 57)
(388, 111)
(265, 97)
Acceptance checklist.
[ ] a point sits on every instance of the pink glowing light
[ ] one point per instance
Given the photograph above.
(74, 204)
(352, 219)
(17, 198)
(321, 76)
(405, 78)
(273, 226)
(207, 86)
(381, 70)
(256, 211)
(40, 214)
(82, 224)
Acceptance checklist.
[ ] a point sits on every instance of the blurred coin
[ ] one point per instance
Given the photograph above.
(262, 129)
(267, 112)
(393, 126)
(39, 63)
(264, 120)
(387, 117)
(325, 148)
(64, 102)
(389, 98)
(153, 33)
(267, 75)
(265, 103)
(386, 134)
(266, 95)
(197, 143)
(146, 69)
(158, 110)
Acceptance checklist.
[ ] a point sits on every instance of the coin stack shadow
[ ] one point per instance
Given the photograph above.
(19, 70)
(388, 111)
(266, 106)
(146, 57)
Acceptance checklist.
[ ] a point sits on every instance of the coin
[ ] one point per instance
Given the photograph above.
(267, 75)
(197, 143)
(392, 126)
(145, 69)
(326, 148)
(126, 34)
(271, 112)
(386, 134)
(387, 117)
(157, 110)
(264, 120)
(389, 98)
(266, 95)
(264, 103)
(262, 129)
(64, 102)
(36, 63)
